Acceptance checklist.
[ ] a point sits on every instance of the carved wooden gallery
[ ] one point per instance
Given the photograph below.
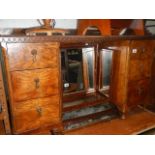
(99, 79)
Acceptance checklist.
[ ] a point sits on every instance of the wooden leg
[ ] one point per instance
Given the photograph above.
(7, 126)
(123, 116)
(58, 130)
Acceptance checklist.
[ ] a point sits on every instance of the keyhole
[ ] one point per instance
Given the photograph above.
(36, 82)
(34, 54)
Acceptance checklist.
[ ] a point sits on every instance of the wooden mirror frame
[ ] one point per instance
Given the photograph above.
(104, 90)
(87, 90)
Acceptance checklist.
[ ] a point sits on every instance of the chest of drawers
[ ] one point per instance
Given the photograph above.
(131, 74)
(34, 85)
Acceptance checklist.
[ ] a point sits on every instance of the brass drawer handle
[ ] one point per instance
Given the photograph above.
(34, 54)
(37, 83)
(39, 110)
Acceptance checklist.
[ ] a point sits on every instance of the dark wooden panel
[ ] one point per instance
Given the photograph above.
(31, 84)
(138, 92)
(141, 49)
(139, 69)
(118, 85)
(32, 55)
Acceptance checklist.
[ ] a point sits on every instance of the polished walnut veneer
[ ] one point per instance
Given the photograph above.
(4, 116)
(131, 74)
(34, 84)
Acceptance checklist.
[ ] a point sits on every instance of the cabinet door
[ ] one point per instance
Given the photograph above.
(141, 49)
(139, 69)
(138, 92)
(140, 59)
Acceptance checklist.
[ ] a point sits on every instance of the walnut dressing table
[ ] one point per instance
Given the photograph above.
(33, 80)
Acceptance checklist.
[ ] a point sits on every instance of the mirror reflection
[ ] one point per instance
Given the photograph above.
(77, 65)
(72, 72)
(106, 64)
(89, 67)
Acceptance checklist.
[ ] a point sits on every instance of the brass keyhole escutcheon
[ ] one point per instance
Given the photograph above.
(34, 55)
(37, 83)
(39, 110)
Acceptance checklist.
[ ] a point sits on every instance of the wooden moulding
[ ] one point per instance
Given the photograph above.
(71, 39)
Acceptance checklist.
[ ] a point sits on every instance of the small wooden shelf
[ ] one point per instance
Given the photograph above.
(85, 102)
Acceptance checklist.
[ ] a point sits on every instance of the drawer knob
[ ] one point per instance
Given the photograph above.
(37, 83)
(34, 54)
(39, 110)
(134, 50)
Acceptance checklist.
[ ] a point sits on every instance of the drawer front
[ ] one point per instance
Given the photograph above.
(36, 113)
(141, 49)
(27, 120)
(139, 69)
(32, 55)
(138, 93)
(30, 84)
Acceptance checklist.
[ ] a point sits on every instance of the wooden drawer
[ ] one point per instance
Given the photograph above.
(36, 113)
(32, 55)
(138, 93)
(30, 84)
(139, 69)
(141, 49)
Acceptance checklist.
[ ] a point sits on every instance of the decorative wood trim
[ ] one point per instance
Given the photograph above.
(71, 39)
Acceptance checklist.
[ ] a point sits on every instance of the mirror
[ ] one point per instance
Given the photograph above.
(88, 54)
(77, 66)
(106, 56)
(72, 72)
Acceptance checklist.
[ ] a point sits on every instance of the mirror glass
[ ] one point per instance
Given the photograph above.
(89, 67)
(72, 70)
(106, 64)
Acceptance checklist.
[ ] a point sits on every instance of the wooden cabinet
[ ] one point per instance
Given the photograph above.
(4, 115)
(34, 85)
(34, 82)
(131, 74)
(153, 78)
